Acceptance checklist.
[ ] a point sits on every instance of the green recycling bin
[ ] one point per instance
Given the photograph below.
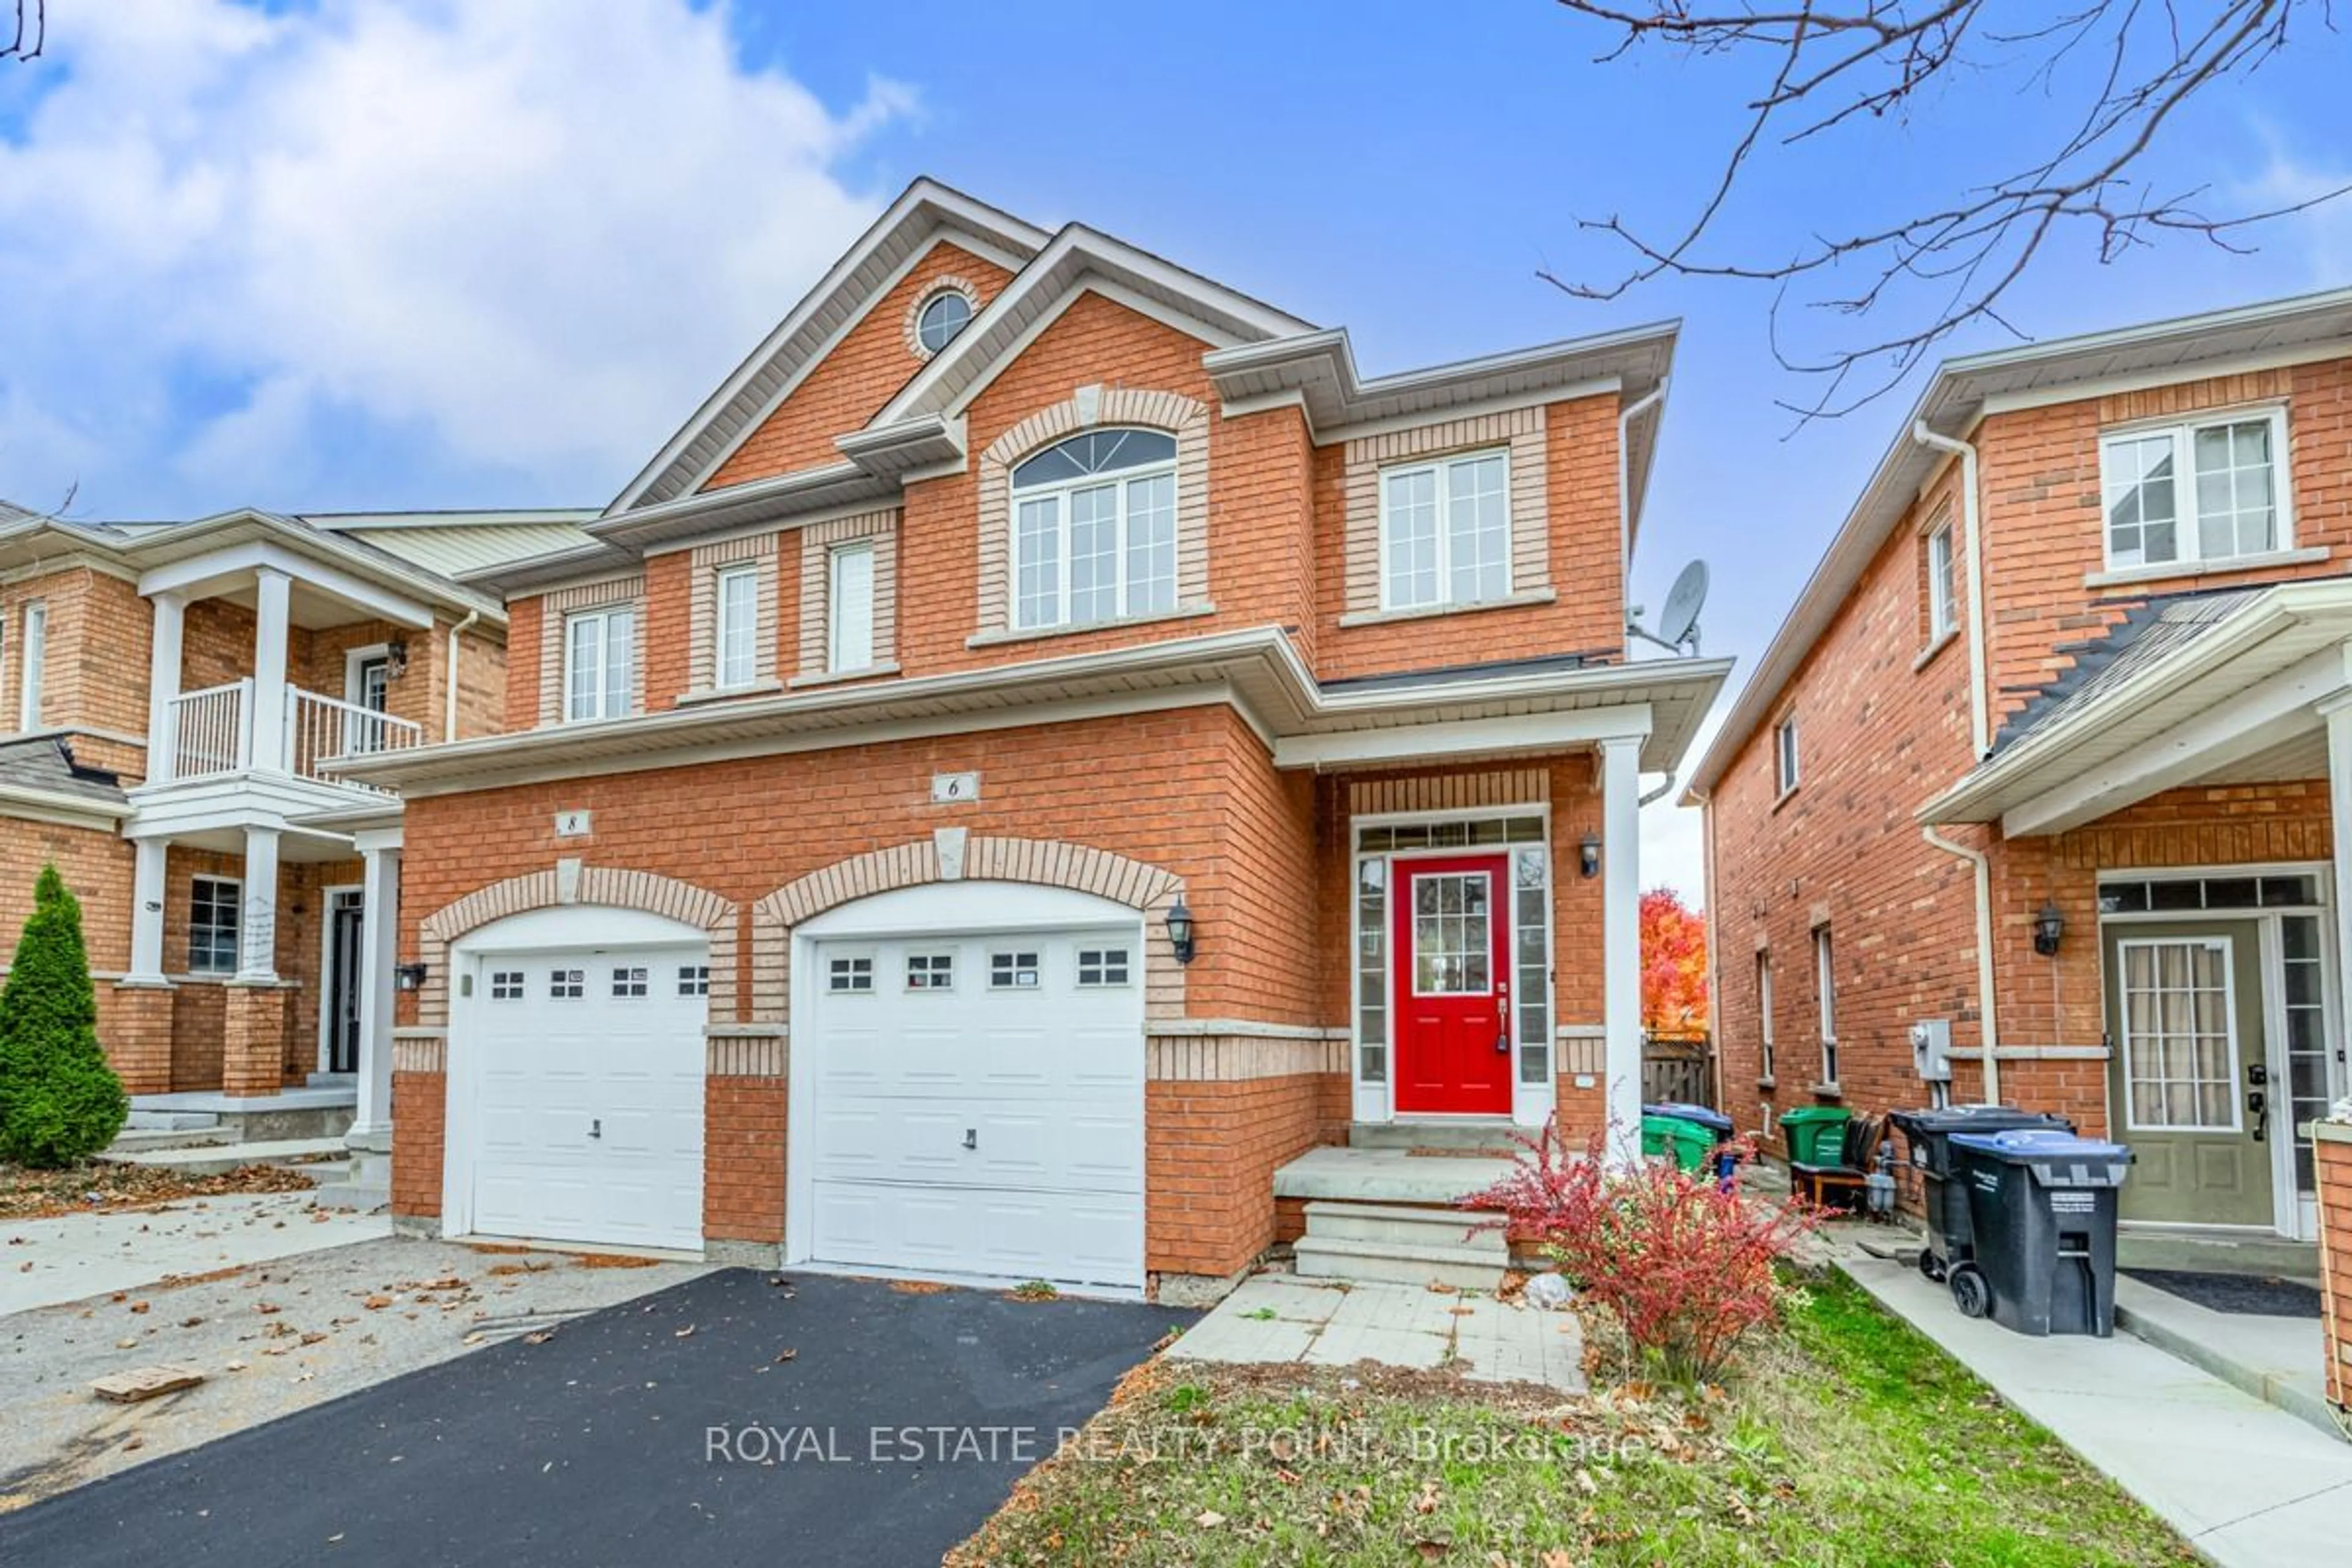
(1689, 1144)
(1816, 1134)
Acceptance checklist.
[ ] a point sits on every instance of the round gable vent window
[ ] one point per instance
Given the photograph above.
(943, 316)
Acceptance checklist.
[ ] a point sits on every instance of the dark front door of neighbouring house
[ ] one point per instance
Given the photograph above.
(1453, 985)
(2187, 1019)
(372, 690)
(344, 922)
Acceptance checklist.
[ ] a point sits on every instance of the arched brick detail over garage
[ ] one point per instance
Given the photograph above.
(950, 856)
(571, 883)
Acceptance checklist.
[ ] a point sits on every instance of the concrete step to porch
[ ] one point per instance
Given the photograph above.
(1390, 1243)
(145, 1119)
(2202, 1251)
(149, 1140)
(364, 1187)
(2280, 1360)
(1478, 1135)
(298, 1153)
(324, 1111)
(1385, 1176)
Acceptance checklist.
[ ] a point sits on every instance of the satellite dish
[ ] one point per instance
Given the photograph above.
(1678, 622)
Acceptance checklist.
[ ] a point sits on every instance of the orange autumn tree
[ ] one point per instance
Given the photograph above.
(1673, 964)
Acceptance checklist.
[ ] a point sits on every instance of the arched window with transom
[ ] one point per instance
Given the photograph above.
(1093, 530)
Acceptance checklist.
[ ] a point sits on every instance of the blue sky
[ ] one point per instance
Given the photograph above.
(360, 254)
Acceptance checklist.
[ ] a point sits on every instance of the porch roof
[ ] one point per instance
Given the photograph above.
(2221, 689)
(1516, 710)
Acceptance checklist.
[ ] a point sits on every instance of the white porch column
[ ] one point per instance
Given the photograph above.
(2339, 712)
(257, 948)
(147, 911)
(379, 953)
(273, 592)
(1621, 921)
(163, 686)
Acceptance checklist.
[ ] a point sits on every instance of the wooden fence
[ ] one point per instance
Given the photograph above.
(1674, 1067)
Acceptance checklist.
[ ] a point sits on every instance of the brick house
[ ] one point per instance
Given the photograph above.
(174, 695)
(958, 810)
(2049, 753)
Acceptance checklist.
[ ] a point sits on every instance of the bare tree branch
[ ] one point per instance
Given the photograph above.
(32, 31)
(1836, 65)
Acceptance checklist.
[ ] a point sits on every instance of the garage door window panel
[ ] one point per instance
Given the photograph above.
(567, 985)
(850, 976)
(694, 980)
(630, 984)
(1099, 966)
(1013, 972)
(506, 986)
(930, 972)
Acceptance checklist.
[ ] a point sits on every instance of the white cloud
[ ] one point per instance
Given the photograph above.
(379, 253)
(2320, 236)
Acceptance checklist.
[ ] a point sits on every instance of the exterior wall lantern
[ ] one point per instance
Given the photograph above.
(2048, 927)
(395, 658)
(1180, 931)
(409, 977)
(1587, 862)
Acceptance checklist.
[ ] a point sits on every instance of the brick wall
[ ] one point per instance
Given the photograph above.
(743, 1157)
(1209, 1166)
(420, 1109)
(2334, 1148)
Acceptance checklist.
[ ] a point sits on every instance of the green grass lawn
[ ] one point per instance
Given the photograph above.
(1848, 1440)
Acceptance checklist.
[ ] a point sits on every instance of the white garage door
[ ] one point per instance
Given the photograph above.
(587, 1069)
(978, 1105)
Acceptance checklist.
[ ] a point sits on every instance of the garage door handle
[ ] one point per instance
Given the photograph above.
(596, 1128)
(972, 1137)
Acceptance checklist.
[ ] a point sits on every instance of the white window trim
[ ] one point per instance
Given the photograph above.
(1787, 770)
(1825, 995)
(236, 945)
(2186, 535)
(615, 697)
(1764, 1013)
(2230, 1018)
(1119, 479)
(722, 625)
(836, 661)
(34, 630)
(1438, 466)
(1944, 595)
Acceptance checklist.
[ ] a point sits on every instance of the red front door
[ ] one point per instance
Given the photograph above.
(1452, 980)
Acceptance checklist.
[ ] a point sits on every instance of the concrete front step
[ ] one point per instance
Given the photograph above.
(1400, 1245)
(1479, 1134)
(300, 1153)
(147, 1139)
(145, 1121)
(357, 1195)
(1386, 1175)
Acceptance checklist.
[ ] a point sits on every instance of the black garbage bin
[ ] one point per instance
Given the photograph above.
(1926, 1134)
(2042, 1207)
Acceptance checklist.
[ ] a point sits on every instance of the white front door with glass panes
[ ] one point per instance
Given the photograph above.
(2224, 1039)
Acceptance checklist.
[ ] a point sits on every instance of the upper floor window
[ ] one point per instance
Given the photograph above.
(1943, 591)
(35, 654)
(599, 655)
(1784, 754)
(735, 646)
(1093, 530)
(849, 606)
(2204, 492)
(943, 315)
(1446, 531)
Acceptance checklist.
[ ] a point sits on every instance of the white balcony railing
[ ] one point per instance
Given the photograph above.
(212, 735)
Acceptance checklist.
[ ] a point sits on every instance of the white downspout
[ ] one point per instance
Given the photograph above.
(1980, 713)
(449, 712)
(1625, 418)
(1658, 793)
(1986, 1025)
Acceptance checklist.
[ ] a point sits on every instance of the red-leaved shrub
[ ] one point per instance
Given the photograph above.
(1685, 1267)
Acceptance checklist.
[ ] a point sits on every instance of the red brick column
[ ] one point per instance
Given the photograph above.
(135, 1027)
(2334, 1151)
(743, 1100)
(419, 1129)
(253, 1058)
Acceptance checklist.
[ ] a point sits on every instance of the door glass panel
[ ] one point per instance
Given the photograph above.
(2179, 1058)
(1452, 951)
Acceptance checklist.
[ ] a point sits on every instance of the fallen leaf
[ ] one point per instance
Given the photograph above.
(683, 1333)
(1209, 1519)
(784, 1357)
(376, 1303)
(540, 1337)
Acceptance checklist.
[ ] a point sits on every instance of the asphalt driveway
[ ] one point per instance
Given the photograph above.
(673, 1430)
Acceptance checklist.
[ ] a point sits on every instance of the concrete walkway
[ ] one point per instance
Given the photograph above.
(45, 1262)
(2245, 1482)
(1276, 1318)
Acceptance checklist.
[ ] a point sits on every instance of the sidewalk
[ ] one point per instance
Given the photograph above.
(2247, 1483)
(45, 1262)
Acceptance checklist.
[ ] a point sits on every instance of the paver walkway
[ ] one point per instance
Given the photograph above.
(2245, 1482)
(43, 1262)
(1276, 1318)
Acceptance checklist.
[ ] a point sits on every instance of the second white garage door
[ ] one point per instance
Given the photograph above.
(977, 1104)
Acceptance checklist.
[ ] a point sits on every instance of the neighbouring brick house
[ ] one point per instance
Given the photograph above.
(171, 696)
(952, 812)
(2050, 752)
